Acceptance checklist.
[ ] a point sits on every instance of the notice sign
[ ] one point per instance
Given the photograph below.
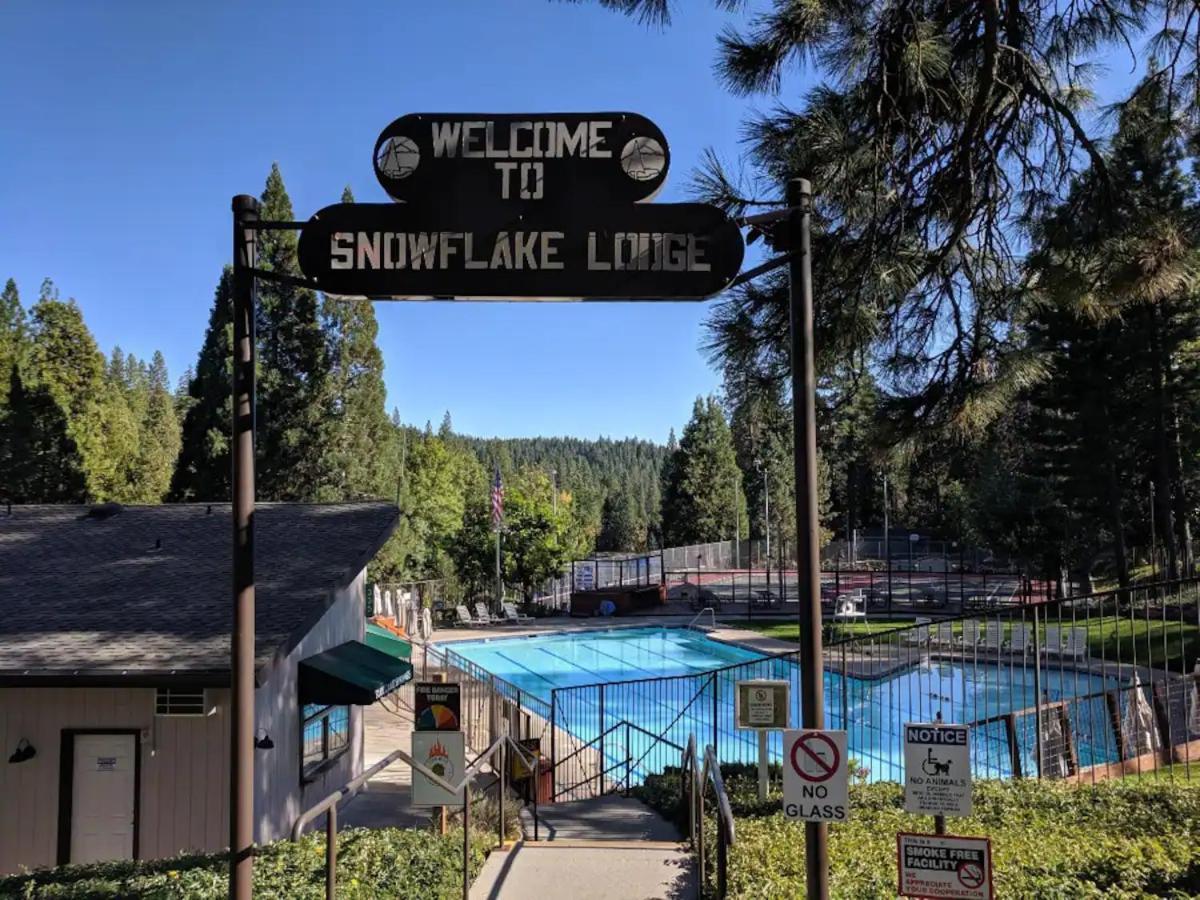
(938, 866)
(762, 705)
(937, 769)
(437, 706)
(444, 754)
(816, 781)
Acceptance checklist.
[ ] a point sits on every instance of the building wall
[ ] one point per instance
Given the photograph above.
(184, 800)
(280, 797)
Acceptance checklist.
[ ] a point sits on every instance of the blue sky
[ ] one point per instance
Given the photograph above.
(129, 126)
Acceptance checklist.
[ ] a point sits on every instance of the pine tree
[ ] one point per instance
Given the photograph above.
(622, 525)
(14, 337)
(292, 431)
(159, 435)
(202, 469)
(39, 461)
(699, 496)
(361, 459)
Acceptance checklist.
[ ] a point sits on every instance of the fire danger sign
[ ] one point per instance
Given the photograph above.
(815, 776)
(937, 866)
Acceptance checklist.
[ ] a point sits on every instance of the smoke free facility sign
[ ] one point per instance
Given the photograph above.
(942, 866)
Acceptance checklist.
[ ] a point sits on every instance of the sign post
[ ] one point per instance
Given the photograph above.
(804, 422)
(504, 207)
(816, 779)
(762, 706)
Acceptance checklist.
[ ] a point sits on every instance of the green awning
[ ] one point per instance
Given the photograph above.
(351, 673)
(382, 639)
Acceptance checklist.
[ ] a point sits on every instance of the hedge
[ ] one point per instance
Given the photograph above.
(1121, 839)
(415, 864)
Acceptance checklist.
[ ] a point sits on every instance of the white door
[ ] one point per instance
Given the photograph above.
(103, 792)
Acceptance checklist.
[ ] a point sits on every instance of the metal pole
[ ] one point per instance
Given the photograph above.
(241, 747)
(467, 843)
(887, 544)
(331, 853)
(804, 420)
(499, 580)
(764, 761)
(1153, 536)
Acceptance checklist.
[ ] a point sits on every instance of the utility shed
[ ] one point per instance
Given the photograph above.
(115, 635)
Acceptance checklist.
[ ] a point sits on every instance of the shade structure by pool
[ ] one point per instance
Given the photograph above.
(637, 694)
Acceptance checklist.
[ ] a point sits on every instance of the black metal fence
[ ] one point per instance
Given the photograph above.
(1086, 688)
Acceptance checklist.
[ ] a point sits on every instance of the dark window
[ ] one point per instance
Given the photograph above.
(325, 734)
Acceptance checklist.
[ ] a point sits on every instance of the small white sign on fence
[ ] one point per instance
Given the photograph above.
(937, 769)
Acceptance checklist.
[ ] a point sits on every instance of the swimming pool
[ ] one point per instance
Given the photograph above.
(635, 695)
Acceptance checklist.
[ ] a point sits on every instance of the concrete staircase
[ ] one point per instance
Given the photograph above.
(609, 848)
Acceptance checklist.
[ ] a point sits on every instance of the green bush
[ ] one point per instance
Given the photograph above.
(414, 864)
(1121, 839)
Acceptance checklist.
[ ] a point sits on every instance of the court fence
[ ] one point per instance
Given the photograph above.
(1084, 688)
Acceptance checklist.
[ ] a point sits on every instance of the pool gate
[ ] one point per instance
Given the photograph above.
(1082, 688)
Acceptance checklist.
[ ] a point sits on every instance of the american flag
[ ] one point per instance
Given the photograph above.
(497, 500)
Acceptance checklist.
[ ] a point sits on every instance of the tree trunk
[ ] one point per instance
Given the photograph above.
(1162, 450)
(1181, 506)
(1113, 485)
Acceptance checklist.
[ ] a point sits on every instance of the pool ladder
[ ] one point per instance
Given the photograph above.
(696, 618)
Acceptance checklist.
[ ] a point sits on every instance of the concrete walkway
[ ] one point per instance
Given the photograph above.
(386, 802)
(610, 848)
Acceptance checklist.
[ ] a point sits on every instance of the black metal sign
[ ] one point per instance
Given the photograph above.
(474, 160)
(619, 252)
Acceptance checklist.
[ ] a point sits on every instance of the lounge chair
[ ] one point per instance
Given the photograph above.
(993, 637)
(464, 617)
(483, 617)
(970, 634)
(943, 634)
(1052, 641)
(511, 614)
(918, 636)
(1020, 641)
(1076, 646)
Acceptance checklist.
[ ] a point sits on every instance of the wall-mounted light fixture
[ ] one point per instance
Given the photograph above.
(262, 740)
(24, 751)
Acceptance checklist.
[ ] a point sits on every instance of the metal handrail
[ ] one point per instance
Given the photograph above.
(696, 617)
(330, 803)
(693, 778)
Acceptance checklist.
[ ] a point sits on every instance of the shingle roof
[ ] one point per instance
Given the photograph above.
(148, 589)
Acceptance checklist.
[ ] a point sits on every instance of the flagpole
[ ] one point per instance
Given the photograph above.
(499, 583)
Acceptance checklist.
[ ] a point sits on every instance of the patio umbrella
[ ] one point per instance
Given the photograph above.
(1194, 701)
(1141, 733)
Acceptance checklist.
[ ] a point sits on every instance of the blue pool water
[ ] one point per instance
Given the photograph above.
(637, 694)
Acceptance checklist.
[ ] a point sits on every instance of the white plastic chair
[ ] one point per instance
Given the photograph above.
(970, 633)
(993, 637)
(1076, 646)
(1020, 641)
(918, 636)
(943, 634)
(1052, 641)
(483, 617)
(464, 617)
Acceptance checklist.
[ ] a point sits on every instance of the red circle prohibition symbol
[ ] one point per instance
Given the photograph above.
(827, 768)
(970, 874)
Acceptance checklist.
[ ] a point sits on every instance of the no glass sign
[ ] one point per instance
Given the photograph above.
(473, 160)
